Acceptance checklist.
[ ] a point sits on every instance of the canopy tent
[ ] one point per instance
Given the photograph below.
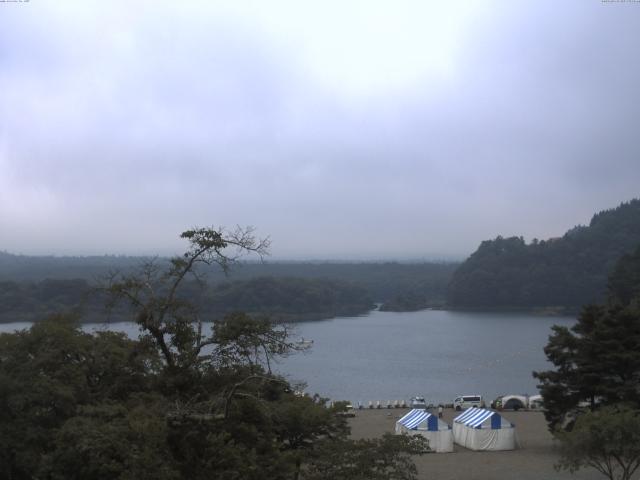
(482, 429)
(535, 402)
(421, 422)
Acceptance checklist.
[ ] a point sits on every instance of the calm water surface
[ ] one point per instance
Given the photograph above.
(436, 354)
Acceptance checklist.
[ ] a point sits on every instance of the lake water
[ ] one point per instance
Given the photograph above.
(437, 354)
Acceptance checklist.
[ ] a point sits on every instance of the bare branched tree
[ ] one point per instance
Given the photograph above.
(152, 291)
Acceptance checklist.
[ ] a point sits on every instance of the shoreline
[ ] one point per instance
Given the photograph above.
(303, 318)
(537, 311)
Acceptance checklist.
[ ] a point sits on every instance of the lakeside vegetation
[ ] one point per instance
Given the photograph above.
(554, 276)
(175, 403)
(559, 274)
(592, 393)
(31, 287)
(287, 299)
(139, 402)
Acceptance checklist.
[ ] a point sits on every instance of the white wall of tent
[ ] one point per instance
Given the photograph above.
(475, 429)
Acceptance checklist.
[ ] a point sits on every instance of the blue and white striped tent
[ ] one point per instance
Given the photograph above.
(416, 417)
(421, 422)
(482, 429)
(475, 418)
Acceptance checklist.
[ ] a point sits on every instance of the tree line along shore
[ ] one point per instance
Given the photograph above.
(180, 403)
(553, 276)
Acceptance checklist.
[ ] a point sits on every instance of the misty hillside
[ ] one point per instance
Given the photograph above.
(564, 272)
(33, 287)
(384, 280)
(36, 268)
(291, 299)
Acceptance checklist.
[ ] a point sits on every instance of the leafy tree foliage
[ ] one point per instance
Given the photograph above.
(607, 440)
(111, 440)
(624, 283)
(26, 301)
(289, 298)
(412, 300)
(179, 402)
(33, 287)
(387, 458)
(597, 361)
(563, 272)
(51, 373)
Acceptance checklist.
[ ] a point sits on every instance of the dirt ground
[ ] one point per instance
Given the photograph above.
(534, 460)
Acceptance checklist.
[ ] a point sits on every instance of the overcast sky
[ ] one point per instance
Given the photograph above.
(364, 129)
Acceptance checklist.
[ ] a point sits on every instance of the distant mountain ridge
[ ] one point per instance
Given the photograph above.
(557, 274)
(33, 287)
(383, 280)
(35, 268)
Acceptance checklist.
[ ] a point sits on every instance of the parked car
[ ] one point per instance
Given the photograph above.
(418, 402)
(468, 401)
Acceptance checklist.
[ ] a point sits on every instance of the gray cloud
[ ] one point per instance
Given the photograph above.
(121, 126)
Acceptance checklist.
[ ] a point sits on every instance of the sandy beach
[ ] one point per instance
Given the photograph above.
(534, 460)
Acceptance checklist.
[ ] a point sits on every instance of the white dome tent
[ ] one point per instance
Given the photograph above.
(421, 422)
(482, 429)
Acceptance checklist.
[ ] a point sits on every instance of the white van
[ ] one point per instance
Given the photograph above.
(468, 401)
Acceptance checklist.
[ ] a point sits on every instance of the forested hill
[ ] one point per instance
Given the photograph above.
(291, 299)
(33, 287)
(562, 273)
(21, 268)
(383, 280)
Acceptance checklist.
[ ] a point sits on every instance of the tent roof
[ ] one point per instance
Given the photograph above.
(414, 418)
(474, 417)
